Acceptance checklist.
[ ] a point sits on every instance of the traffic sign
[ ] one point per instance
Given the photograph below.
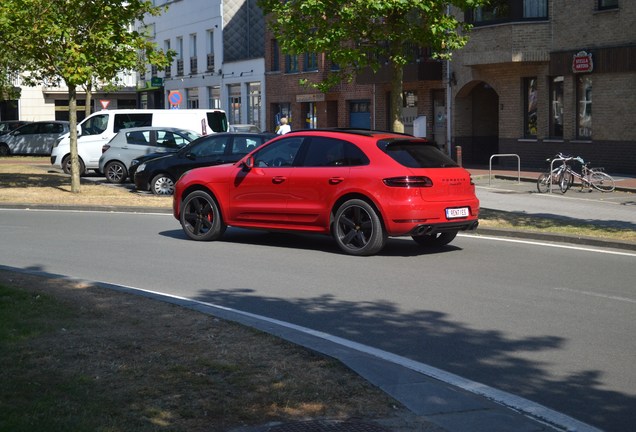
(175, 98)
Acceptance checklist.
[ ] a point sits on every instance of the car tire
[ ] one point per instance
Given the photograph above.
(162, 184)
(4, 150)
(66, 165)
(200, 217)
(115, 172)
(438, 239)
(358, 229)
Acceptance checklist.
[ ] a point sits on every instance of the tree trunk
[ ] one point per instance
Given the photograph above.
(89, 100)
(397, 75)
(72, 116)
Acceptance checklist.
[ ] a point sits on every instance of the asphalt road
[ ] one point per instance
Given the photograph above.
(553, 325)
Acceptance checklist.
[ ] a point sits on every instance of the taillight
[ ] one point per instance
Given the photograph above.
(409, 182)
(105, 147)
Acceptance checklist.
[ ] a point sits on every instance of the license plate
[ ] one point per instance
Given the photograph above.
(452, 213)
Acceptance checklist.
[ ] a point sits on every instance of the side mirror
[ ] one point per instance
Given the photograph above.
(249, 163)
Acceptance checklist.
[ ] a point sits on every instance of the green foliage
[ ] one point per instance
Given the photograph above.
(77, 41)
(356, 34)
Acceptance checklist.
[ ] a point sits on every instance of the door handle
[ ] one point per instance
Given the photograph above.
(336, 180)
(278, 179)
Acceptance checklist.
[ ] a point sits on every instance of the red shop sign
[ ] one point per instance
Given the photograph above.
(582, 62)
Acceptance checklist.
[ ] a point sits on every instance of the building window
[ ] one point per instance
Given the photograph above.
(530, 107)
(166, 48)
(275, 66)
(498, 11)
(234, 103)
(179, 56)
(254, 101)
(556, 107)
(192, 97)
(311, 62)
(214, 97)
(535, 8)
(607, 4)
(210, 51)
(193, 54)
(291, 63)
(584, 106)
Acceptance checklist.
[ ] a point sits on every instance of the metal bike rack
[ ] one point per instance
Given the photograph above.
(505, 155)
(550, 173)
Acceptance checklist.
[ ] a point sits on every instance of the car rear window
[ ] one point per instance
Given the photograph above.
(416, 154)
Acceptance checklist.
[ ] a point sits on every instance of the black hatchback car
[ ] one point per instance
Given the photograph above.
(159, 174)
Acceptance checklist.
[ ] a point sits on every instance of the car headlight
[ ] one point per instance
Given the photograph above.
(141, 167)
(57, 142)
(134, 162)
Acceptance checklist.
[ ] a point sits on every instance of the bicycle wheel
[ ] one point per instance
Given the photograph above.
(602, 181)
(543, 183)
(565, 180)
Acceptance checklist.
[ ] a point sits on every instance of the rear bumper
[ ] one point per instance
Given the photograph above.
(430, 229)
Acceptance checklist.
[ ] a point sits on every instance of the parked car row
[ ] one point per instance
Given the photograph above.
(154, 157)
(32, 138)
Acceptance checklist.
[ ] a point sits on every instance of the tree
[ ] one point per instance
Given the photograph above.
(358, 34)
(79, 42)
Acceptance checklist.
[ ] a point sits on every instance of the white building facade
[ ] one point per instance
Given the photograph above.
(219, 59)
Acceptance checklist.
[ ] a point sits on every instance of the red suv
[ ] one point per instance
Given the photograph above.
(359, 186)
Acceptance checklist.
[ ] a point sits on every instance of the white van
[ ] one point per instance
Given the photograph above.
(98, 128)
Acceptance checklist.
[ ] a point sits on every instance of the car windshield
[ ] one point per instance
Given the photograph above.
(416, 154)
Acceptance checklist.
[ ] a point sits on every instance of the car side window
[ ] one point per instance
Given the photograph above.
(278, 154)
(210, 147)
(95, 125)
(138, 137)
(29, 129)
(244, 145)
(168, 139)
(125, 121)
(330, 152)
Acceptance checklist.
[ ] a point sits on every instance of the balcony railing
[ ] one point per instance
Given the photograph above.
(193, 65)
(180, 67)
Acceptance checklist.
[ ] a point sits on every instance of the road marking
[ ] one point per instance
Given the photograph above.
(593, 294)
(553, 245)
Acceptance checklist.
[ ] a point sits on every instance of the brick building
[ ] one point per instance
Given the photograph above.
(513, 89)
(527, 78)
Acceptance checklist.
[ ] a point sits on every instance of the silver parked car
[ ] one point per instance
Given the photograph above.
(33, 138)
(132, 143)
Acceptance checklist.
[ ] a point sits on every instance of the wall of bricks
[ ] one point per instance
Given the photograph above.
(499, 57)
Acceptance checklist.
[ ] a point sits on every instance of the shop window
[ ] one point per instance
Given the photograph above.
(530, 107)
(556, 107)
(214, 97)
(584, 107)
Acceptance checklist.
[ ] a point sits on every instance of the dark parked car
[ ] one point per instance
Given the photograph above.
(358, 186)
(33, 138)
(160, 174)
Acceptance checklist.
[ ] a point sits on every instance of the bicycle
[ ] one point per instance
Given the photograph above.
(589, 177)
(555, 176)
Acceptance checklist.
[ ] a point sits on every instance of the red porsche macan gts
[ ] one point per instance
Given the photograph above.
(359, 186)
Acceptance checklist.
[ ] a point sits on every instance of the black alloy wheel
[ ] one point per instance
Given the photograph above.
(358, 229)
(200, 217)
